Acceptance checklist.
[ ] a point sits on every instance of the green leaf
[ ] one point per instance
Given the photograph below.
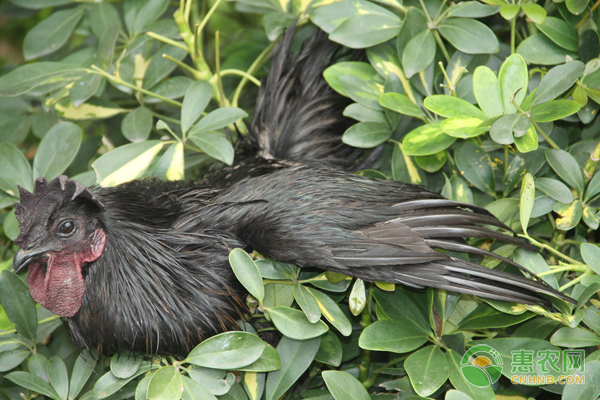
(538, 49)
(394, 336)
(39, 4)
(324, 281)
(469, 36)
(57, 373)
(148, 12)
(512, 77)
(464, 127)
(268, 361)
(37, 364)
(364, 114)
(566, 167)
(449, 106)
(103, 16)
(227, 350)
(30, 76)
(401, 104)
(403, 168)
(553, 110)
(126, 163)
(33, 383)
(271, 269)
(426, 140)
(332, 75)
(166, 384)
(218, 119)
(294, 323)
(560, 32)
(171, 164)
(576, 6)
(366, 135)
(527, 199)
(108, 384)
(214, 145)
(218, 382)
(84, 88)
(330, 351)
(418, 53)
(363, 92)
(527, 142)
(459, 382)
(557, 81)
(591, 217)
(137, 124)
(51, 34)
(475, 165)
(555, 189)
(160, 67)
(307, 303)
(593, 188)
(195, 391)
(472, 9)
(591, 389)
(57, 150)
(14, 170)
(484, 317)
(11, 226)
(570, 214)
(195, 101)
(344, 386)
(535, 12)
(330, 16)
(591, 255)
(83, 368)
(384, 58)
(374, 29)
(332, 312)
(10, 359)
(172, 88)
(399, 306)
(296, 356)
(432, 163)
(18, 304)
(427, 369)
(509, 11)
(124, 365)
(574, 337)
(358, 297)
(247, 273)
(485, 89)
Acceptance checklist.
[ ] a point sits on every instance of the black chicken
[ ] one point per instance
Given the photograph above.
(144, 266)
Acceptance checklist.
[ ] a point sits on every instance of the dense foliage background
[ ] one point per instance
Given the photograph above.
(490, 103)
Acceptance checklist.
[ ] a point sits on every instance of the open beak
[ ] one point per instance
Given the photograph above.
(24, 258)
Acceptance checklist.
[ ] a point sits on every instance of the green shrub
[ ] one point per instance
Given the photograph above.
(492, 104)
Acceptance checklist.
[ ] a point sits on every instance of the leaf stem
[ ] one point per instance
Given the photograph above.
(513, 32)
(43, 321)
(166, 40)
(255, 64)
(574, 281)
(96, 70)
(240, 73)
(549, 248)
(438, 39)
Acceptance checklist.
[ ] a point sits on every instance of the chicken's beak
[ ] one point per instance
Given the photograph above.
(24, 257)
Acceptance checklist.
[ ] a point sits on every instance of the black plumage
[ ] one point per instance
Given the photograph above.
(144, 266)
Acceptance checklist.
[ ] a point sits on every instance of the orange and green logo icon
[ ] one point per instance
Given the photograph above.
(481, 365)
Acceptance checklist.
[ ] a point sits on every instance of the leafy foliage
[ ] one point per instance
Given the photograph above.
(490, 103)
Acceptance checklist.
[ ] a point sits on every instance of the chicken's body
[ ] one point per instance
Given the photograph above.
(151, 270)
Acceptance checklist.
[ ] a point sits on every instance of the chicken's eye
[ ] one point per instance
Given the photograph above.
(66, 229)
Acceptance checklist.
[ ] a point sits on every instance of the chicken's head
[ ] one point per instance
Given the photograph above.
(60, 233)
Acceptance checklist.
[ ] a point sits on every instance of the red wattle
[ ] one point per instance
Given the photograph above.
(61, 287)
